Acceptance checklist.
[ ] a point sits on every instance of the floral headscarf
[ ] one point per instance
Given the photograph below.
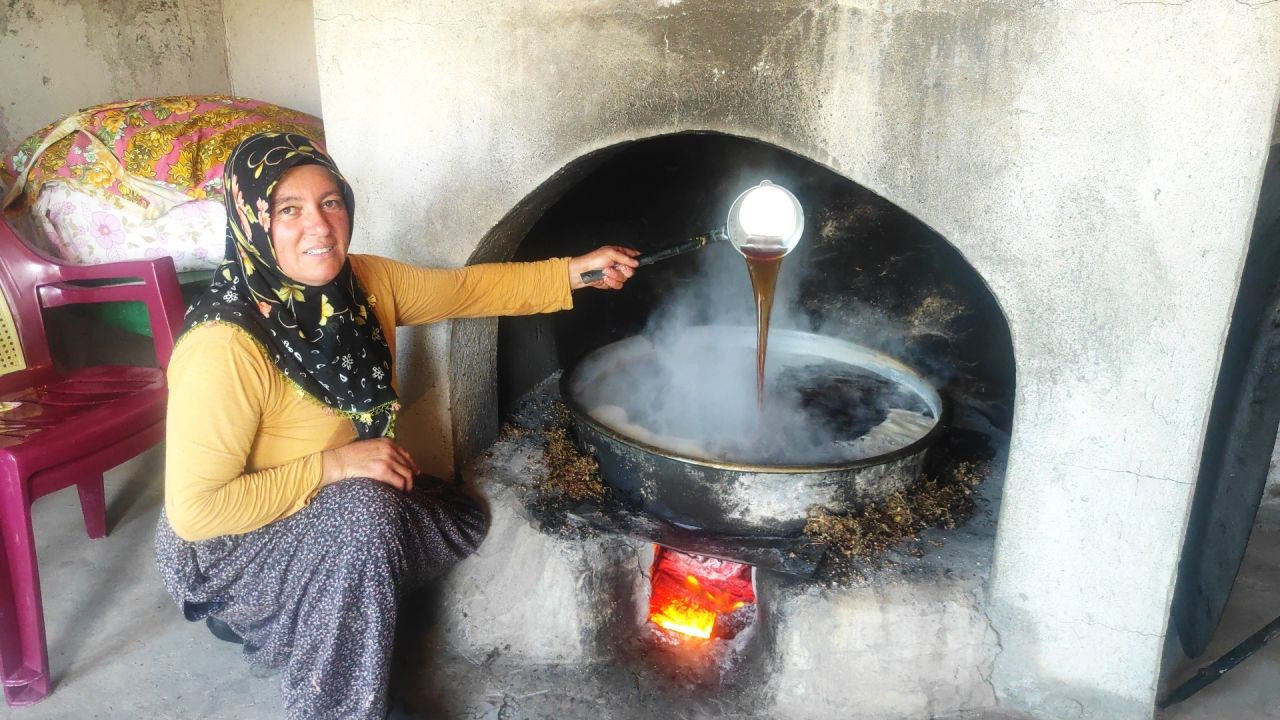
(323, 339)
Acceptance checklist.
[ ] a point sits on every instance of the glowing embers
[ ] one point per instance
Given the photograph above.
(700, 596)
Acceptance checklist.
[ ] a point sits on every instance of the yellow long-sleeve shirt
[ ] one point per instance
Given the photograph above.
(244, 445)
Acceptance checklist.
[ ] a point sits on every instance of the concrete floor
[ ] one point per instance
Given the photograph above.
(119, 648)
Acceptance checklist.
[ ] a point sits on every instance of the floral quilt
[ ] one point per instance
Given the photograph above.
(139, 179)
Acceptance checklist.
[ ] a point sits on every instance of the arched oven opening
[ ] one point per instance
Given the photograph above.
(725, 549)
(865, 268)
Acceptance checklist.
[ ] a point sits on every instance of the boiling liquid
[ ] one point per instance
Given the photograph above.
(820, 412)
(763, 264)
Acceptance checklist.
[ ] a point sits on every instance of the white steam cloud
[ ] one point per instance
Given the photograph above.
(690, 389)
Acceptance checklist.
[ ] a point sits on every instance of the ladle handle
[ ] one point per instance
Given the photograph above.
(689, 245)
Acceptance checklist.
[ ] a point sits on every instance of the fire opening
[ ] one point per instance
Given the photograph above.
(699, 596)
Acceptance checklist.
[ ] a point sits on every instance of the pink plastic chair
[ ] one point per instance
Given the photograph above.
(58, 430)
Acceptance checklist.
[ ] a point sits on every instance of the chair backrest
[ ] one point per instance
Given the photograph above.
(23, 342)
(31, 281)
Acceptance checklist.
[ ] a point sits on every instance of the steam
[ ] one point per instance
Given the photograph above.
(687, 384)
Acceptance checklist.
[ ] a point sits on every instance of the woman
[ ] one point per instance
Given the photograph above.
(293, 520)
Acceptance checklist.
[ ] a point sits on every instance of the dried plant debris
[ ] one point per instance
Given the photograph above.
(512, 432)
(565, 479)
(933, 313)
(569, 472)
(856, 542)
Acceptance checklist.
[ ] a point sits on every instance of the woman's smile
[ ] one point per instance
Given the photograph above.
(310, 225)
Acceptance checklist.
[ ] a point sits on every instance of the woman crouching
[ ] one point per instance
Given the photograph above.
(293, 521)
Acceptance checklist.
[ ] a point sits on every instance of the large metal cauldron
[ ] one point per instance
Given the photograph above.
(754, 500)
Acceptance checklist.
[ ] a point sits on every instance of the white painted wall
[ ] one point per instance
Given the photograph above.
(60, 57)
(1095, 161)
(271, 52)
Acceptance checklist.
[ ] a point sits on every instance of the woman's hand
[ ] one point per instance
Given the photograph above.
(618, 264)
(379, 459)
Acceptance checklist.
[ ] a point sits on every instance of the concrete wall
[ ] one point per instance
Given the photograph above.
(1095, 161)
(60, 57)
(271, 52)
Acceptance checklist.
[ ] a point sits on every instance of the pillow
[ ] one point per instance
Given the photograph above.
(84, 230)
(137, 162)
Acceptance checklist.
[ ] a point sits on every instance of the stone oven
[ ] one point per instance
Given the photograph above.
(1090, 168)
(865, 271)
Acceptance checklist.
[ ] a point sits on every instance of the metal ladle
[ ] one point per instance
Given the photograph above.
(766, 219)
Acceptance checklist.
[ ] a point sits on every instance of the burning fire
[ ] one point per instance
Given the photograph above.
(690, 592)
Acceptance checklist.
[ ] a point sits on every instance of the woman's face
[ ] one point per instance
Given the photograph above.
(309, 224)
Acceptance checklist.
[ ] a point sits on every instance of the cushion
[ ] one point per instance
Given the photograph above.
(138, 179)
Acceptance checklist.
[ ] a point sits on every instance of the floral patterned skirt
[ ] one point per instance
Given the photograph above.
(315, 595)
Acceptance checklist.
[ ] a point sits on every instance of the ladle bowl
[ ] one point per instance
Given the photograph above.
(765, 218)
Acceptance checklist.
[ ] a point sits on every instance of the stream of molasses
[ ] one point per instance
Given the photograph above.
(763, 264)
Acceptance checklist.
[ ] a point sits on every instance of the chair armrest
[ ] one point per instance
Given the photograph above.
(158, 289)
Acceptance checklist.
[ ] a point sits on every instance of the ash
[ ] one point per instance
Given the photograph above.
(504, 688)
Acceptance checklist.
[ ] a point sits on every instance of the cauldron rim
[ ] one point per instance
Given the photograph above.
(919, 445)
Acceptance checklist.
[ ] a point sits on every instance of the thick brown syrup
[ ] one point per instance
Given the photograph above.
(763, 265)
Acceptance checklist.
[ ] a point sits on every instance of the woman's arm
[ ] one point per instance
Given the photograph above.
(424, 295)
(218, 382)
